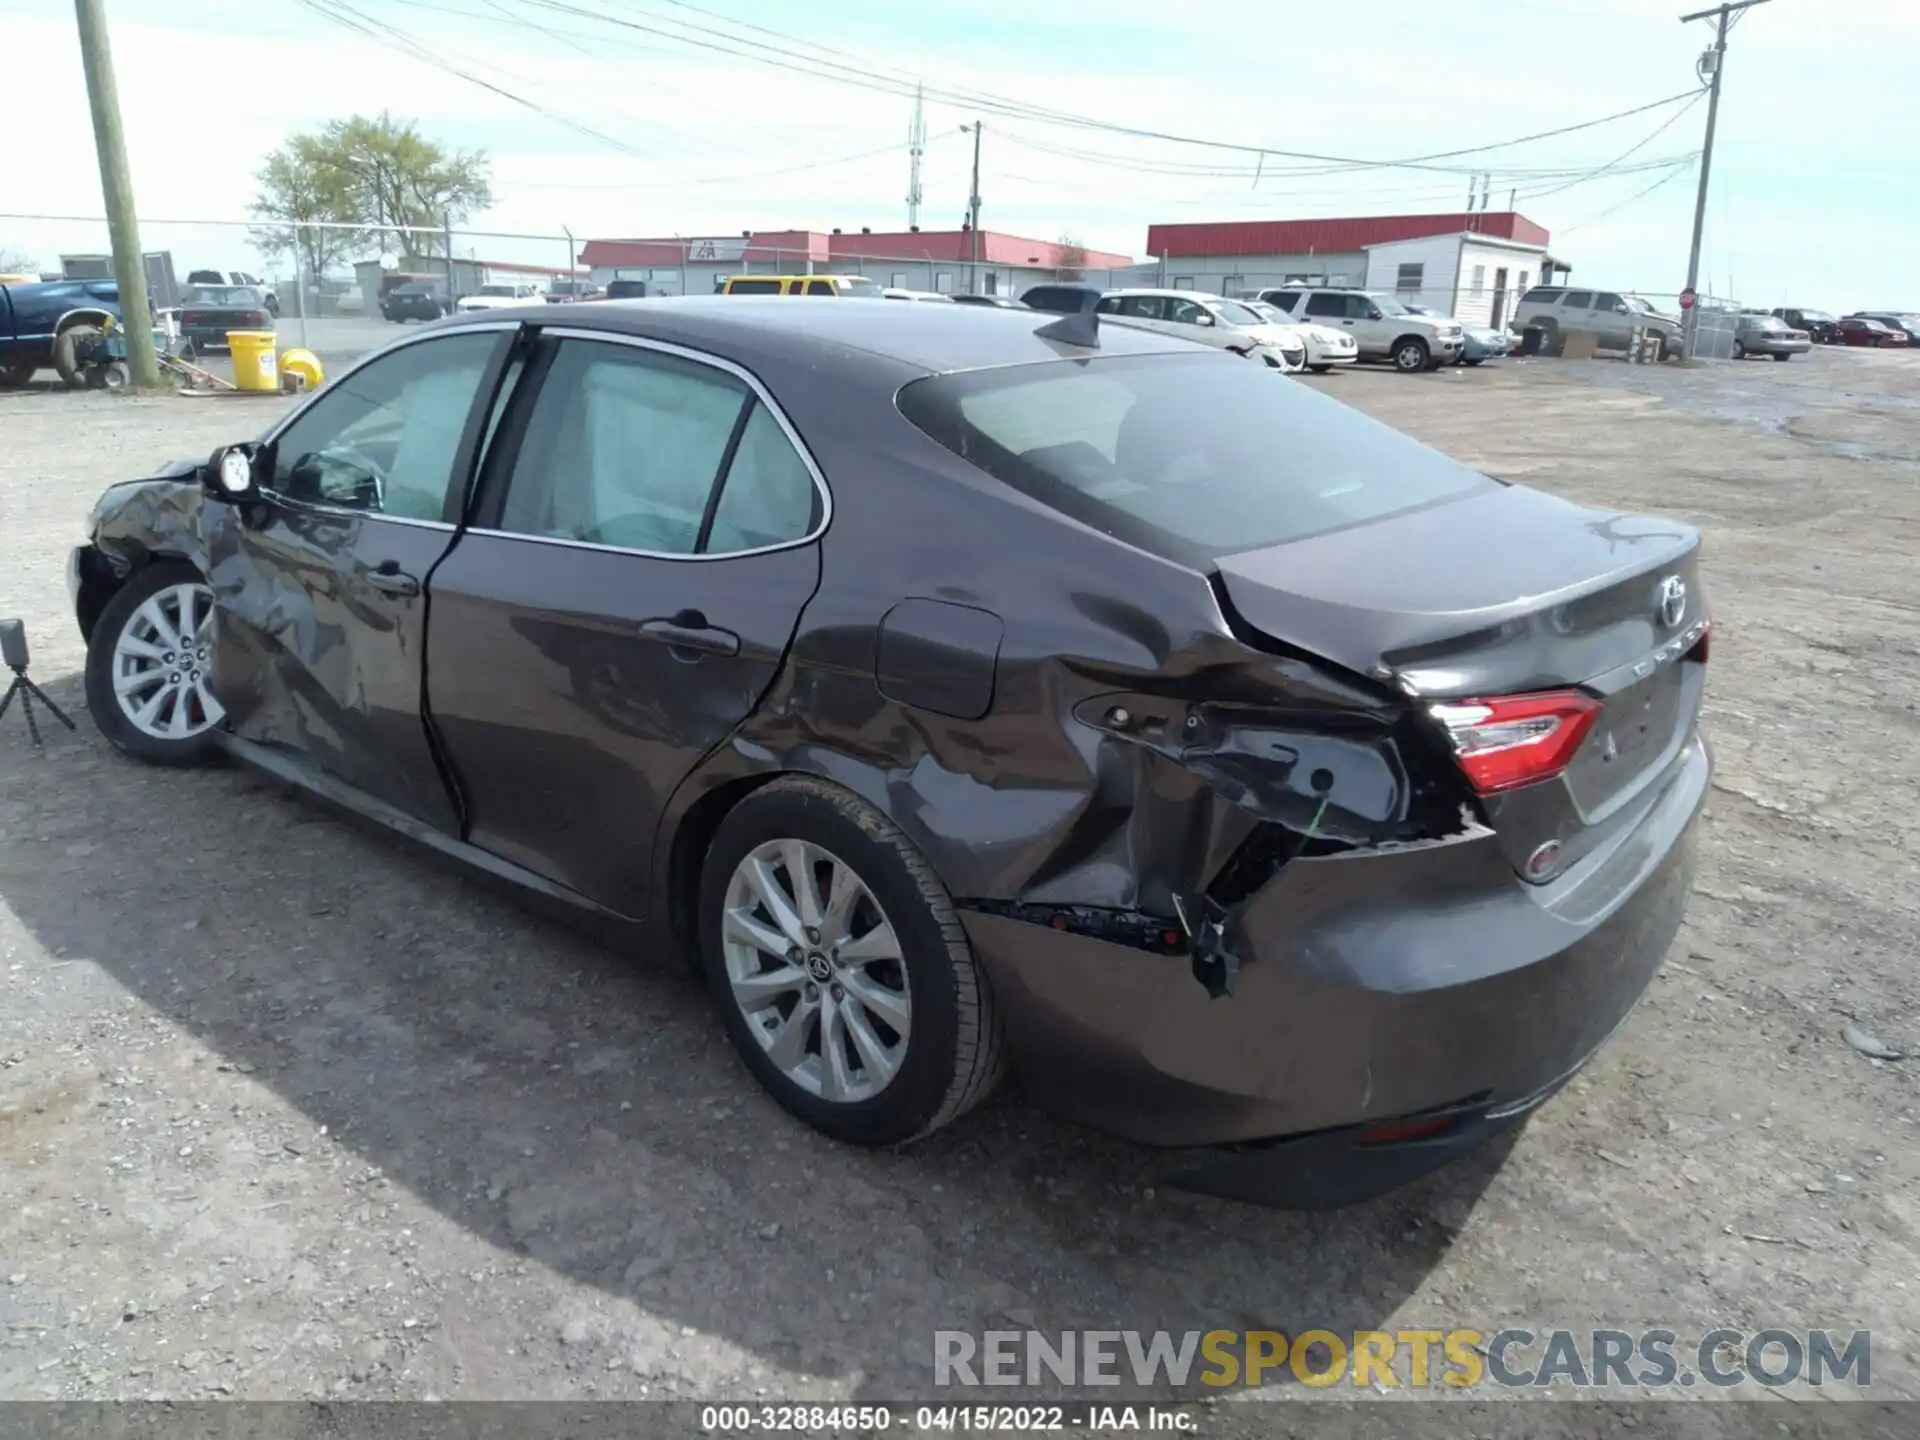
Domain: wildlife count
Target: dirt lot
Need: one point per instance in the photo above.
(287, 1111)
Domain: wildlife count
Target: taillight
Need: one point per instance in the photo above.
(1513, 740)
(257, 319)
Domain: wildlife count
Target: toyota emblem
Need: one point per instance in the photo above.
(1671, 601)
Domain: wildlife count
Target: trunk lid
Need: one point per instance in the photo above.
(1501, 592)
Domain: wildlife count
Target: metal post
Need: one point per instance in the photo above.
(453, 282)
(299, 288)
(1691, 327)
(571, 277)
(116, 186)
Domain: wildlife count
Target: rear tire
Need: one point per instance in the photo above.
(68, 346)
(1783, 358)
(1481, 361)
(945, 1054)
(126, 645)
(1411, 355)
(14, 377)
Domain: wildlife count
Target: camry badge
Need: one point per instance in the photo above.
(1670, 600)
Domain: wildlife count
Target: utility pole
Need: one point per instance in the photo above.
(916, 145)
(973, 212)
(1714, 59)
(116, 186)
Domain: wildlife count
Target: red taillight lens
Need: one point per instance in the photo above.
(1700, 648)
(1514, 740)
(257, 319)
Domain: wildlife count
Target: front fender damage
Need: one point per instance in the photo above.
(160, 515)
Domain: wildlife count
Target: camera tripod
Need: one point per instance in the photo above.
(28, 693)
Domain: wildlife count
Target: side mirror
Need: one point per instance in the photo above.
(231, 472)
(1374, 312)
(1203, 318)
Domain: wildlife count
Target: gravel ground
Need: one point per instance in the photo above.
(288, 1111)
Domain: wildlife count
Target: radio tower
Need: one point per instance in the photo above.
(916, 143)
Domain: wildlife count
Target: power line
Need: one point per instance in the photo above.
(773, 174)
(1612, 210)
(791, 55)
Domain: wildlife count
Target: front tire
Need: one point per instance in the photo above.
(1783, 358)
(845, 979)
(1411, 356)
(68, 346)
(1320, 369)
(15, 377)
(148, 682)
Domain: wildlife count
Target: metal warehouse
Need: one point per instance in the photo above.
(947, 261)
(1472, 265)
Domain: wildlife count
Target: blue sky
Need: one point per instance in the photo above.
(1813, 195)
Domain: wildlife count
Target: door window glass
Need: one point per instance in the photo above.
(383, 439)
(1332, 306)
(1185, 312)
(819, 287)
(1577, 300)
(769, 496)
(623, 448)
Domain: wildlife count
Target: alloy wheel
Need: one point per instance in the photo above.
(814, 964)
(161, 664)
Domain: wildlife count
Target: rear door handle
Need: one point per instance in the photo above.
(688, 630)
(388, 576)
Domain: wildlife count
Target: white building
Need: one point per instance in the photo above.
(1471, 276)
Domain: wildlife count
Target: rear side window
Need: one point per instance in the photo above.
(1334, 306)
(1541, 295)
(1176, 454)
(753, 287)
(820, 287)
(1285, 299)
(769, 496)
(1577, 300)
(623, 448)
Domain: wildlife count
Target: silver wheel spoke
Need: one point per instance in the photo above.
(756, 992)
(136, 680)
(210, 708)
(889, 1005)
(875, 1058)
(740, 925)
(842, 896)
(878, 943)
(156, 618)
(186, 627)
(766, 889)
(789, 1047)
(144, 716)
(836, 1082)
(797, 859)
(140, 649)
(180, 723)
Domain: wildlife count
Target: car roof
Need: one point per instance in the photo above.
(934, 339)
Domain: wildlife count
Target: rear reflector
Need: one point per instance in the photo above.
(1514, 740)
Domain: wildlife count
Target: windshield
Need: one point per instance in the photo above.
(1819, 315)
(1272, 314)
(1176, 453)
(860, 285)
(1234, 313)
(1637, 303)
(221, 295)
(1388, 305)
(416, 290)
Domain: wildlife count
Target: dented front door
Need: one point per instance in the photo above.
(320, 587)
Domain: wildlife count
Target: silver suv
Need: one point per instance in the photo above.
(1381, 326)
(1546, 312)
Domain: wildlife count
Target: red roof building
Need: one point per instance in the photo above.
(1233, 238)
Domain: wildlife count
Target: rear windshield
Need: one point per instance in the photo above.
(756, 287)
(859, 285)
(221, 295)
(1186, 456)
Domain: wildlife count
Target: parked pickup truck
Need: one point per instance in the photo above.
(55, 323)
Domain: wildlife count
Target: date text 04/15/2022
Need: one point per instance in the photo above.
(940, 1419)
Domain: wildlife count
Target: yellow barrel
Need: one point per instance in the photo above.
(253, 360)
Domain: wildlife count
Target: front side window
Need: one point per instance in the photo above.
(1609, 303)
(1234, 313)
(383, 438)
(1577, 300)
(754, 287)
(1187, 312)
(623, 448)
(1333, 307)
(820, 287)
(1176, 454)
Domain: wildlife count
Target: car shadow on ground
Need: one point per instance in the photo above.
(579, 1106)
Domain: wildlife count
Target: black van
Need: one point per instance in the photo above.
(1063, 297)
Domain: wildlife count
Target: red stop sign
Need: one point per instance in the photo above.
(1686, 299)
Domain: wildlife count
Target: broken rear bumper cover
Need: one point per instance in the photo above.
(1424, 985)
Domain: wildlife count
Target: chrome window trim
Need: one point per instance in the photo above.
(760, 392)
(285, 422)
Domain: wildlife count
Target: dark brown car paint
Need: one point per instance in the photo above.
(1469, 986)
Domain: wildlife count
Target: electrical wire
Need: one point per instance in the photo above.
(772, 174)
(1612, 210)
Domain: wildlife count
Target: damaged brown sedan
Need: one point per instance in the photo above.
(965, 688)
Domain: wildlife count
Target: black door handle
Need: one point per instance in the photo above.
(388, 576)
(689, 630)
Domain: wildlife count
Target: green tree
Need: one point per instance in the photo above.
(381, 173)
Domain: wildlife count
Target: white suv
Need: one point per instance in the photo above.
(1381, 326)
(1210, 319)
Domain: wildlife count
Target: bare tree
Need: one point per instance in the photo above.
(1071, 261)
(17, 262)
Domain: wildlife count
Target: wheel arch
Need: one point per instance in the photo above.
(85, 314)
(102, 579)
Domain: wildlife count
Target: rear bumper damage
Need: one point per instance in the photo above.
(1422, 983)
